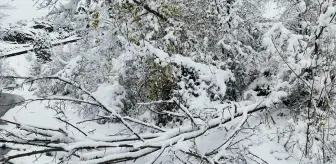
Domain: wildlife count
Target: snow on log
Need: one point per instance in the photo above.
(30, 48)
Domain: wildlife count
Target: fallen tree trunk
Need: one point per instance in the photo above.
(31, 48)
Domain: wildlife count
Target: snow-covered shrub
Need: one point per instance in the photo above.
(43, 48)
(303, 43)
(146, 81)
(18, 36)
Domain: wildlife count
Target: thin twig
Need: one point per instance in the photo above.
(72, 126)
(6, 159)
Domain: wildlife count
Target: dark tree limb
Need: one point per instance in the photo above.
(6, 159)
(24, 143)
(52, 99)
(150, 10)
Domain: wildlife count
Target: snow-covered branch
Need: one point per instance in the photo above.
(76, 85)
(134, 146)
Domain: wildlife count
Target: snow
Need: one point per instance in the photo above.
(111, 95)
(325, 18)
(36, 114)
(272, 11)
(222, 148)
(105, 93)
(212, 74)
(70, 68)
(210, 131)
(277, 34)
(19, 64)
(302, 6)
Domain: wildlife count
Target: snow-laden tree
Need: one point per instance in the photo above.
(42, 48)
(304, 42)
(213, 39)
(172, 72)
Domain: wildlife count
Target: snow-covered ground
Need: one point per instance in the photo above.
(37, 114)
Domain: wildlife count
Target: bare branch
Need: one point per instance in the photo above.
(72, 126)
(6, 159)
(135, 148)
